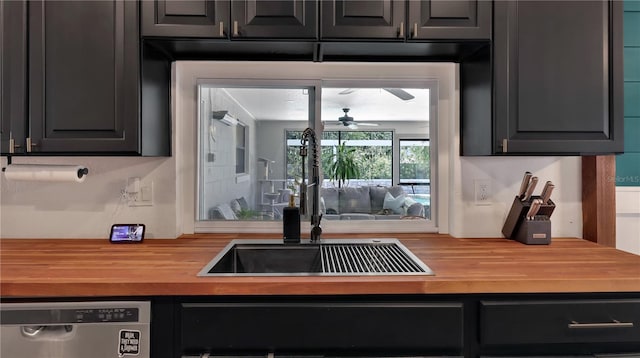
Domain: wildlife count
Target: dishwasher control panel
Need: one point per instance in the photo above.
(70, 315)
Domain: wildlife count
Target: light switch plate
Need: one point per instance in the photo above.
(144, 196)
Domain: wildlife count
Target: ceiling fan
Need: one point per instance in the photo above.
(398, 92)
(348, 121)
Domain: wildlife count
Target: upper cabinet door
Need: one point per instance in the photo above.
(13, 76)
(294, 19)
(185, 18)
(446, 19)
(84, 76)
(558, 77)
(375, 19)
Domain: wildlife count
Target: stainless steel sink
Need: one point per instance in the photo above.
(331, 257)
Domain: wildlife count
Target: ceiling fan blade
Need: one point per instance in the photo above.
(347, 91)
(367, 124)
(400, 93)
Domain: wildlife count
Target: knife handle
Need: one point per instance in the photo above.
(530, 189)
(546, 187)
(525, 184)
(533, 204)
(547, 194)
(533, 210)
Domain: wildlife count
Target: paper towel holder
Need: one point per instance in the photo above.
(81, 172)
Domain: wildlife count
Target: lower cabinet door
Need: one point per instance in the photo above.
(560, 322)
(331, 328)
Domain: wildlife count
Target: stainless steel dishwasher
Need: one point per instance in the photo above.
(75, 329)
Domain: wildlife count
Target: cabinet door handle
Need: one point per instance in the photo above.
(414, 33)
(614, 324)
(13, 145)
(221, 28)
(30, 145)
(235, 28)
(401, 29)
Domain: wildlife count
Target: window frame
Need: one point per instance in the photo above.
(187, 75)
(244, 149)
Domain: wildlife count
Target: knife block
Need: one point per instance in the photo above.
(517, 215)
(535, 232)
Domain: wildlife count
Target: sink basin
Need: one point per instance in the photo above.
(331, 257)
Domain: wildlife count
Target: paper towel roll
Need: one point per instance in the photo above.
(57, 173)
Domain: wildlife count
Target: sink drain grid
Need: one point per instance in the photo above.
(367, 258)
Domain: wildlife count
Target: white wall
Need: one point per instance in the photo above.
(88, 209)
(628, 219)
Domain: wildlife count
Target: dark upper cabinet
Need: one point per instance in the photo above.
(446, 19)
(406, 20)
(557, 81)
(558, 76)
(13, 76)
(374, 19)
(239, 19)
(71, 81)
(274, 19)
(191, 18)
(83, 77)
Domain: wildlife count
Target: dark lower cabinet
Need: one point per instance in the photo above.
(555, 327)
(557, 77)
(324, 327)
(469, 325)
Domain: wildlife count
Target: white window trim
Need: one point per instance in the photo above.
(187, 74)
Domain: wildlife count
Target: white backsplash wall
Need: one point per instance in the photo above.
(505, 175)
(31, 209)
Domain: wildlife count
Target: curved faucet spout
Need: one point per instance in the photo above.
(309, 137)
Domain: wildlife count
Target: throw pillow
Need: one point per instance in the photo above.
(243, 203)
(355, 200)
(409, 201)
(393, 204)
(235, 206)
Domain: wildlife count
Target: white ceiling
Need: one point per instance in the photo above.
(366, 104)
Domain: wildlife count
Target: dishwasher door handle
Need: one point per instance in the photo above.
(46, 331)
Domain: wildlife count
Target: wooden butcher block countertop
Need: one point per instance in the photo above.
(158, 267)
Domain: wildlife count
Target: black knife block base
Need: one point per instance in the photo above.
(517, 215)
(535, 232)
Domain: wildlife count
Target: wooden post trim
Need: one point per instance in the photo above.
(599, 199)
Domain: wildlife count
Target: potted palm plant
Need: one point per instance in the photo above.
(343, 166)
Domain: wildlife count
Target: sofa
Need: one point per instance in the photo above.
(368, 203)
